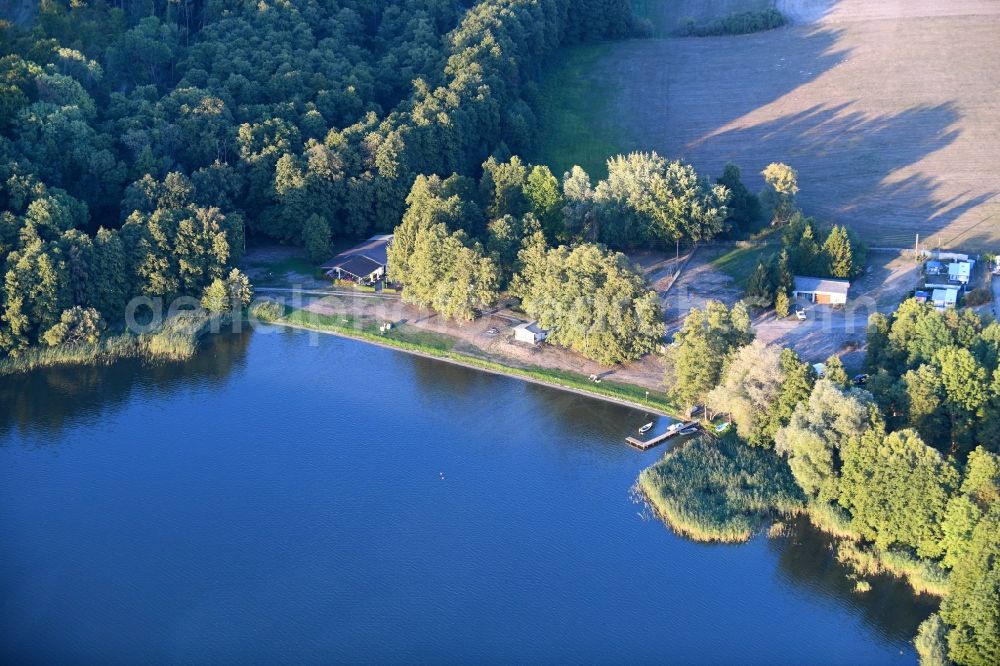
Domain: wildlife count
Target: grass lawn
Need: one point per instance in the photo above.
(740, 263)
(576, 127)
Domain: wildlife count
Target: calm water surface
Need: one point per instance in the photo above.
(277, 501)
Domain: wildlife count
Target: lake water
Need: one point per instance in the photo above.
(275, 501)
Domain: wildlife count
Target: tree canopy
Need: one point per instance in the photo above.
(593, 301)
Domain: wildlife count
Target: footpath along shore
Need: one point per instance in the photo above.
(411, 342)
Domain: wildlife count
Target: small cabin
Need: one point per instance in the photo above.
(821, 290)
(364, 264)
(529, 332)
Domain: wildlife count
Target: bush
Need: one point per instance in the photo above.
(736, 24)
(781, 304)
(978, 296)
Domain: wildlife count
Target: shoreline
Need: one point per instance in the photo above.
(483, 365)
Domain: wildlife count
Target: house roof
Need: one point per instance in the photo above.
(357, 266)
(959, 269)
(825, 285)
(374, 249)
(531, 326)
(945, 295)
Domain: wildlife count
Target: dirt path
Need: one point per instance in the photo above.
(490, 336)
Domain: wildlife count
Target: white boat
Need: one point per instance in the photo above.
(674, 427)
(646, 428)
(689, 431)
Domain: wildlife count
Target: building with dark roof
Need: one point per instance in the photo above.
(365, 263)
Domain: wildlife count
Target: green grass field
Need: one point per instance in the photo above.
(740, 263)
(576, 129)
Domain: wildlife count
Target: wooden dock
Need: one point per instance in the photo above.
(644, 445)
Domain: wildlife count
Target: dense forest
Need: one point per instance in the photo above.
(142, 142)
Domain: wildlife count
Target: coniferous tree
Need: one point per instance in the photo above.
(760, 291)
(839, 253)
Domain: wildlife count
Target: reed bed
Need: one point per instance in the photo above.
(719, 490)
(924, 576)
(175, 340)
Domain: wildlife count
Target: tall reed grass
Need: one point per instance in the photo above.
(175, 340)
(719, 490)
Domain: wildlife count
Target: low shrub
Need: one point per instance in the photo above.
(979, 296)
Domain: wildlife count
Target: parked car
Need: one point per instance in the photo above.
(800, 314)
(860, 380)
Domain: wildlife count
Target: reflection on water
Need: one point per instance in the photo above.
(314, 503)
(40, 404)
(807, 560)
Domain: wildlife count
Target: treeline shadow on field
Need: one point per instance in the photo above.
(751, 100)
(846, 161)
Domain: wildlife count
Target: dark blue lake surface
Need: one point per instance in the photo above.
(277, 501)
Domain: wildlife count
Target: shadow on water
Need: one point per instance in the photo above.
(806, 559)
(44, 402)
(562, 410)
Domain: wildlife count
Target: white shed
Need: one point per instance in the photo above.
(821, 290)
(529, 332)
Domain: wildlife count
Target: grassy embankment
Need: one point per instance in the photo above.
(175, 340)
(725, 491)
(443, 347)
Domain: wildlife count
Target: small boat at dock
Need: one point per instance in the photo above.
(646, 428)
(689, 431)
(674, 427)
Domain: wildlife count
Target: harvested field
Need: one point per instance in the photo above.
(888, 110)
